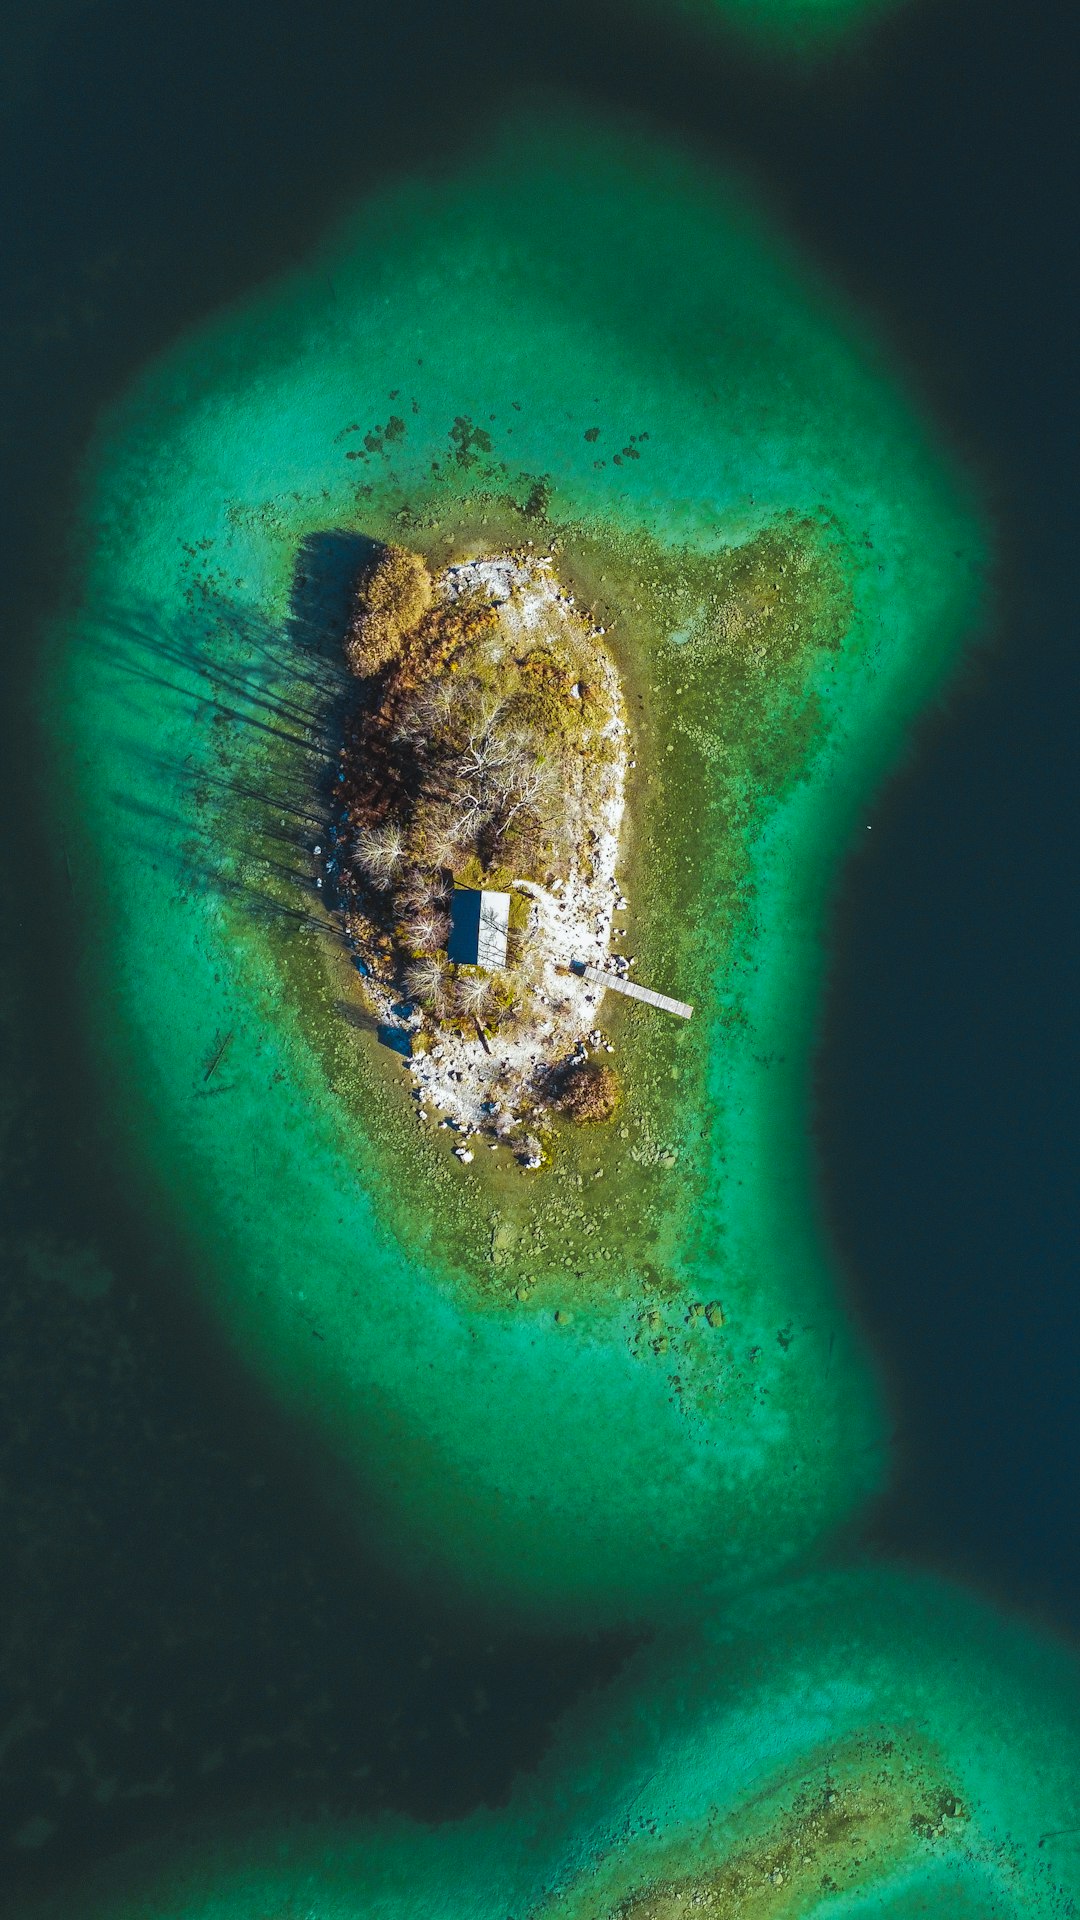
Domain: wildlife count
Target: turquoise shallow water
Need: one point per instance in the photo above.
(862, 1743)
(448, 347)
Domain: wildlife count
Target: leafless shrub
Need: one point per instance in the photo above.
(474, 996)
(426, 982)
(427, 932)
(380, 852)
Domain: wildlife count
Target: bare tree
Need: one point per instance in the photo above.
(427, 932)
(416, 893)
(526, 789)
(433, 705)
(497, 780)
(409, 726)
(380, 852)
(425, 981)
(441, 840)
(474, 995)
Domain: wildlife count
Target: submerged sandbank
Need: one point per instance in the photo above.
(862, 1743)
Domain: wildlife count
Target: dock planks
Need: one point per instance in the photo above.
(601, 978)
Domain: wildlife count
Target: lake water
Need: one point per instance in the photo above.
(183, 1633)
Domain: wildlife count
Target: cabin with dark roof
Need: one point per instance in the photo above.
(479, 928)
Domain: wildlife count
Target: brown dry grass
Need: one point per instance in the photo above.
(391, 601)
(588, 1093)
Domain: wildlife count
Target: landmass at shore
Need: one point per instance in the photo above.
(487, 757)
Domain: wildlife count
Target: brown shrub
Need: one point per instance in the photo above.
(587, 1092)
(391, 601)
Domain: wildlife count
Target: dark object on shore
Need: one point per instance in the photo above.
(584, 1090)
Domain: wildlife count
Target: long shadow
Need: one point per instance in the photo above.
(137, 644)
(395, 1039)
(291, 673)
(225, 662)
(327, 567)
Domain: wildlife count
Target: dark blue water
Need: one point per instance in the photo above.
(178, 1631)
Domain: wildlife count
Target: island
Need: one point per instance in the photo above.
(495, 672)
(475, 849)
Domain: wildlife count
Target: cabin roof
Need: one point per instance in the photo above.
(479, 928)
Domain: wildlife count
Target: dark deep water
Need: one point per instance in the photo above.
(179, 1632)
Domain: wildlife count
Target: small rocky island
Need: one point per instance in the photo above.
(473, 858)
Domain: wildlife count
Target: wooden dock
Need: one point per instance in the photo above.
(600, 977)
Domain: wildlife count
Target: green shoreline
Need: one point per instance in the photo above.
(864, 1743)
(540, 1469)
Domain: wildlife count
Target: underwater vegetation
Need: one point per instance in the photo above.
(600, 1391)
(859, 1743)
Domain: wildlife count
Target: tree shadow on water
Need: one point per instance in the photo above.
(264, 706)
(327, 567)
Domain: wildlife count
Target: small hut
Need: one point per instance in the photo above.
(479, 928)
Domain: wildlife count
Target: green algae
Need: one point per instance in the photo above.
(596, 1397)
(861, 1743)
